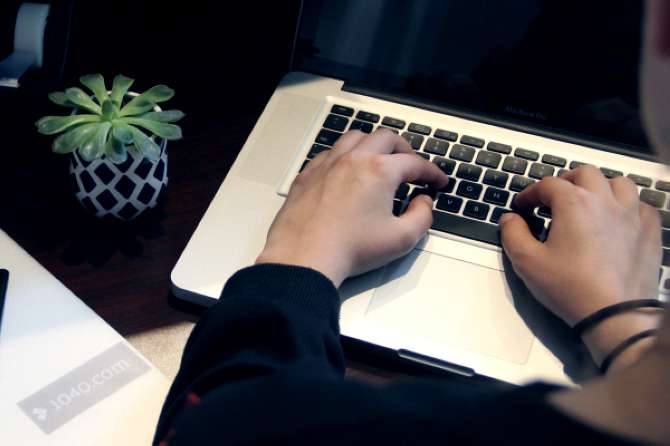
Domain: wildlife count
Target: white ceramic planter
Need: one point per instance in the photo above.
(123, 191)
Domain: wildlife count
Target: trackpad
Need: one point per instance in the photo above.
(446, 300)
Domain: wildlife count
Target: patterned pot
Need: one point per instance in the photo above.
(122, 190)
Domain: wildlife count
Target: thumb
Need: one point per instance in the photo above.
(417, 218)
(517, 240)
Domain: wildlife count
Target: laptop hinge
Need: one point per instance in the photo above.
(438, 107)
(434, 362)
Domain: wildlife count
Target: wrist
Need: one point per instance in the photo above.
(609, 333)
(329, 267)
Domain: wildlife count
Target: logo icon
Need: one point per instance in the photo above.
(40, 413)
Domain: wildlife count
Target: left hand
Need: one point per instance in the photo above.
(337, 218)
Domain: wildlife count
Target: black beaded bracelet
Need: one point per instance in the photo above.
(623, 346)
(600, 315)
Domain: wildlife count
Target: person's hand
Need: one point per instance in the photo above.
(337, 218)
(603, 248)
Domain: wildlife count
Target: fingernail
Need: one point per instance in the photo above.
(506, 217)
(427, 199)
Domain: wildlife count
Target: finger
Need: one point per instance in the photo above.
(317, 160)
(517, 240)
(551, 192)
(625, 191)
(590, 178)
(651, 237)
(346, 143)
(407, 167)
(384, 141)
(416, 220)
(651, 221)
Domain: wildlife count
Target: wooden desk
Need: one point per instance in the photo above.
(123, 273)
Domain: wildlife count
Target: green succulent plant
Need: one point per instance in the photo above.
(111, 123)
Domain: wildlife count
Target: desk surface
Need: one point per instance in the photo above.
(123, 273)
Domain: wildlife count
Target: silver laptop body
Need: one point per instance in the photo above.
(454, 301)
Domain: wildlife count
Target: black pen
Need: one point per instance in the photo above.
(4, 280)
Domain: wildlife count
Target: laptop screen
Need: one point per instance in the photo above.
(565, 65)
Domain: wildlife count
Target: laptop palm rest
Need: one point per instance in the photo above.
(449, 301)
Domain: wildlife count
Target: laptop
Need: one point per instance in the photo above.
(498, 95)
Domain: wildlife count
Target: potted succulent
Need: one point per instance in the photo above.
(117, 141)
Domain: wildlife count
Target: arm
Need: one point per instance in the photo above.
(270, 319)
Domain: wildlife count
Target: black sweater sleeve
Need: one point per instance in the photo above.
(265, 365)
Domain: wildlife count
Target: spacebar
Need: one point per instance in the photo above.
(465, 227)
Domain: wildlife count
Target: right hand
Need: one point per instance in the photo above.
(603, 248)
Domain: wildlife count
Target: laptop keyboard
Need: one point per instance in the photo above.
(485, 176)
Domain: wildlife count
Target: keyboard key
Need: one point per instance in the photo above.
(469, 190)
(469, 172)
(342, 110)
(488, 159)
(663, 185)
(500, 148)
(367, 116)
(666, 238)
(446, 134)
(666, 257)
(449, 203)
(519, 183)
(544, 211)
(476, 210)
(665, 219)
(364, 127)
(536, 226)
(611, 173)
(423, 155)
(526, 154)
(514, 165)
(449, 188)
(432, 193)
(561, 172)
(335, 122)
(540, 171)
(419, 128)
(576, 164)
(327, 137)
(666, 284)
(304, 164)
(497, 213)
(436, 147)
(554, 160)
(535, 223)
(393, 122)
(496, 196)
(402, 191)
(397, 207)
(652, 197)
(472, 229)
(472, 141)
(462, 153)
(447, 166)
(495, 178)
(413, 139)
(315, 150)
(640, 180)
